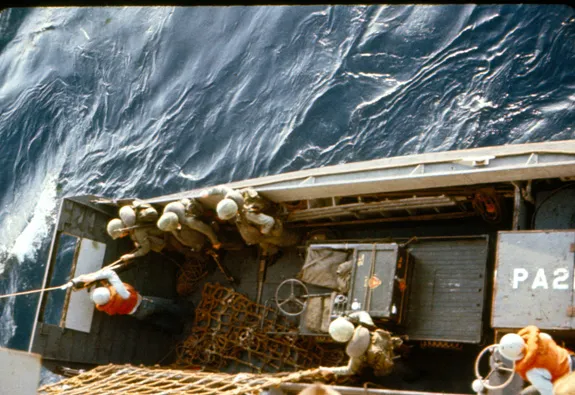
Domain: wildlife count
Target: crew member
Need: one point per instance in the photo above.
(119, 298)
(145, 235)
(245, 209)
(538, 359)
(367, 345)
(186, 213)
(169, 222)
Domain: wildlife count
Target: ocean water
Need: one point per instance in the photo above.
(145, 101)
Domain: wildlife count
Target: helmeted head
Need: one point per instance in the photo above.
(341, 330)
(511, 346)
(169, 222)
(101, 295)
(144, 212)
(128, 215)
(227, 209)
(115, 228)
(192, 206)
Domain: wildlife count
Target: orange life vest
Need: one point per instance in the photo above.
(542, 352)
(117, 305)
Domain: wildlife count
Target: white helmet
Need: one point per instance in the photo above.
(101, 295)
(511, 346)
(115, 227)
(341, 330)
(168, 222)
(128, 215)
(227, 209)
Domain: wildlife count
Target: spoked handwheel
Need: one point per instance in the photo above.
(295, 303)
(481, 383)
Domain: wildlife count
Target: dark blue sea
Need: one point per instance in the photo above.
(129, 101)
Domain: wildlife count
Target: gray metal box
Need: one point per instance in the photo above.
(378, 271)
(534, 280)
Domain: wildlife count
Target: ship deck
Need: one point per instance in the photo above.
(427, 203)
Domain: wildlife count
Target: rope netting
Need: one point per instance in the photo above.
(191, 272)
(231, 331)
(127, 379)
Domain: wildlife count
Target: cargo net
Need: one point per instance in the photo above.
(127, 379)
(191, 272)
(230, 332)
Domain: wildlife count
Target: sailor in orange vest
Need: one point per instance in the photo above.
(537, 357)
(121, 298)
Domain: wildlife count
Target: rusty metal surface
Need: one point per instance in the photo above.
(534, 280)
(230, 332)
(446, 294)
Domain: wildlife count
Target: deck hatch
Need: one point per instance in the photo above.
(447, 290)
(81, 309)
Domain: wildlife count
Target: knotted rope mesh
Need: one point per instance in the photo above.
(127, 379)
(230, 332)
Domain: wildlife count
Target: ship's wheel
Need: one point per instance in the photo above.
(481, 383)
(291, 297)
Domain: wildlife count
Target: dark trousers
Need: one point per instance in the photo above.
(152, 305)
(163, 313)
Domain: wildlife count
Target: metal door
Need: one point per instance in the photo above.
(534, 280)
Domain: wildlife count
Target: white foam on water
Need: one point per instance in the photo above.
(7, 324)
(21, 238)
(29, 220)
(36, 231)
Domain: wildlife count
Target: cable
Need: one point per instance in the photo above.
(31, 292)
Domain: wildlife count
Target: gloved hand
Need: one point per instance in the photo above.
(69, 284)
(326, 373)
(75, 283)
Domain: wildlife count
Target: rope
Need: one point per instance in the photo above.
(112, 266)
(31, 292)
(128, 380)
